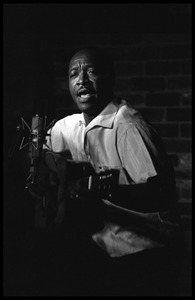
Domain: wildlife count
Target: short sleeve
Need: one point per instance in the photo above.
(135, 156)
(55, 140)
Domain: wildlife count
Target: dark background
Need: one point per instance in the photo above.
(151, 47)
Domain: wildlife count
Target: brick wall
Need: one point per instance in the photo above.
(154, 74)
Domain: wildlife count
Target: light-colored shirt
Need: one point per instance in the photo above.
(118, 138)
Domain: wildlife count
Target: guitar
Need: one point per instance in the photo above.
(78, 182)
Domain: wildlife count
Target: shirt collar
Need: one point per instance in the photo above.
(104, 119)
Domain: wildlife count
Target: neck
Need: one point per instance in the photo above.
(88, 118)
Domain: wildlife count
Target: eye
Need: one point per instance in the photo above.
(92, 72)
(73, 73)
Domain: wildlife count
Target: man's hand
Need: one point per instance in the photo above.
(91, 190)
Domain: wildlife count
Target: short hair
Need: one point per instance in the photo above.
(104, 58)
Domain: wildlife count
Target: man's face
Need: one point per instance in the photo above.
(88, 83)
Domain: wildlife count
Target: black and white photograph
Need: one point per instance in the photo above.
(97, 149)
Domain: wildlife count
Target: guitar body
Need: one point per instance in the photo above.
(73, 195)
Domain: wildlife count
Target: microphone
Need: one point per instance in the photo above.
(36, 141)
(35, 137)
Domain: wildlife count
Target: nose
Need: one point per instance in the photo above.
(82, 78)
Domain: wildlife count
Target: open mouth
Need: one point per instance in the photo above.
(85, 94)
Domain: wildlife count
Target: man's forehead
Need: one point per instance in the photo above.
(84, 57)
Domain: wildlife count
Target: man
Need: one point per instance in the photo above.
(131, 223)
